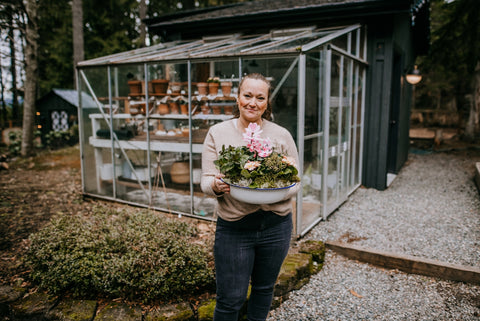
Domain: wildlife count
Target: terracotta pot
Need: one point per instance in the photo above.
(160, 86)
(180, 172)
(202, 88)
(205, 109)
(176, 87)
(228, 109)
(184, 109)
(163, 109)
(217, 110)
(174, 108)
(150, 87)
(226, 88)
(213, 88)
(135, 86)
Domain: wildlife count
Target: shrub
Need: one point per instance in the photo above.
(15, 138)
(59, 139)
(136, 256)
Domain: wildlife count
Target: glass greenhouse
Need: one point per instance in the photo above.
(141, 139)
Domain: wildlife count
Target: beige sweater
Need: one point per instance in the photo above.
(226, 133)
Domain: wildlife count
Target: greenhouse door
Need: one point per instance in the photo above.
(332, 92)
(337, 112)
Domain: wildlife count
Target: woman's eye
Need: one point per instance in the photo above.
(261, 98)
(246, 96)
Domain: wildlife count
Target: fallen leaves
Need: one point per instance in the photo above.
(355, 293)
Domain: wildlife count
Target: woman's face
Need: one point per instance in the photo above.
(252, 100)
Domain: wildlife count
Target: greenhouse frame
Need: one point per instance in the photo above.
(141, 143)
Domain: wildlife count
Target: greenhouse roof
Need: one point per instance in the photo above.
(286, 41)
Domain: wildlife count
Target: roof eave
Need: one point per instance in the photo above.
(307, 15)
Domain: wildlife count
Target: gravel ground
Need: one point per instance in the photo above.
(431, 210)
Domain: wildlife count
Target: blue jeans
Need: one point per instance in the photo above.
(251, 249)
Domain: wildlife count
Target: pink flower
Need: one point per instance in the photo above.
(266, 149)
(251, 165)
(252, 137)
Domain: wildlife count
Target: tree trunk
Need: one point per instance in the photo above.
(142, 10)
(78, 43)
(31, 66)
(472, 129)
(13, 70)
(3, 123)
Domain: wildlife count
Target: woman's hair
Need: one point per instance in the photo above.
(267, 114)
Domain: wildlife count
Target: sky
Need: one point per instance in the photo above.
(5, 63)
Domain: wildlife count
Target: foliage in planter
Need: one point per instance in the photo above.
(256, 165)
(136, 256)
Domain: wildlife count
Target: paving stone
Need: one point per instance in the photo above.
(172, 312)
(32, 307)
(73, 310)
(115, 311)
(9, 294)
(315, 248)
(295, 269)
(205, 311)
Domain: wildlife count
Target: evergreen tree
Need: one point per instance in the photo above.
(450, 67)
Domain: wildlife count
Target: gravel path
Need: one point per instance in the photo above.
(431, 210)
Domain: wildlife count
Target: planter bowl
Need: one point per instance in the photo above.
(258, 195)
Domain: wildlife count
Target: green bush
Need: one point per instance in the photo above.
(59, 139)
(15, 138)
(138, 256)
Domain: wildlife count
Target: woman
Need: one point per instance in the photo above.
(251, 241)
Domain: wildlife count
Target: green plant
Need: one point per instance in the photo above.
(215, 80)
(112, 253)
(256, 165)
(15, 138)
(58, 139)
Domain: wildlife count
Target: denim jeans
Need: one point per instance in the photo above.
(251, 249)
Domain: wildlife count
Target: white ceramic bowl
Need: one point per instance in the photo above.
(258, 195)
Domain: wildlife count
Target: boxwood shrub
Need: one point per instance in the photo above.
(137, 256)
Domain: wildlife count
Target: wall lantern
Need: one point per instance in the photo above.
(414, 77)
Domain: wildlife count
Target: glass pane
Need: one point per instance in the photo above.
(313, 142)
(284, 85)
(341, 42)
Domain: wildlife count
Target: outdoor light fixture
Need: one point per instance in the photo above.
(414, 77)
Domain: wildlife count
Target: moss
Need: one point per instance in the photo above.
(315, 248)
(74, 310)
(172, 312)
(205, 311)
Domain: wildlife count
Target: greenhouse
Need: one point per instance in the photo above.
(142, 141)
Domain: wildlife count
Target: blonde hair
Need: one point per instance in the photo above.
(267, 114)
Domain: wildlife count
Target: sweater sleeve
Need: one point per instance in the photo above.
(292, 152)
(209, 155)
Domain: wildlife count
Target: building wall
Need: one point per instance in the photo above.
(403, 40)
(388, 99)
(49, 104)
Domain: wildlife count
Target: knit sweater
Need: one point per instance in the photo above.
(226, 133)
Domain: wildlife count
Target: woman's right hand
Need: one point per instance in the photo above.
(219, 186)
